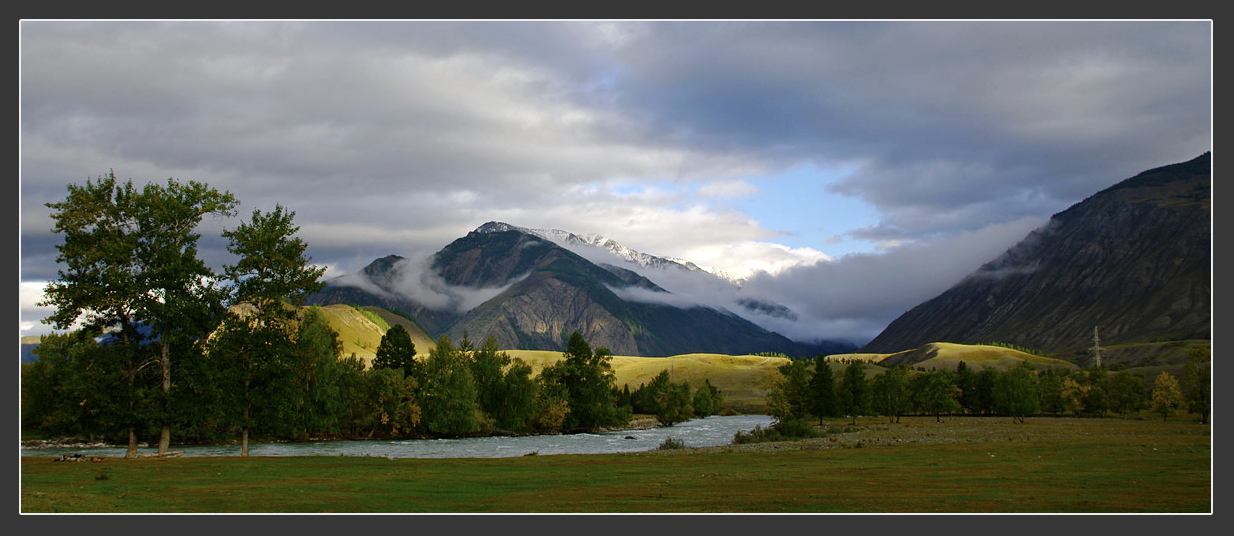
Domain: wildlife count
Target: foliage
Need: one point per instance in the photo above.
(708, 400)
(449, 398)
(396, 351)
(891, 393)
(822, 394)
(669, 401)
(373, 317)
(1197, 383)
(1016, 393)
(784, 430)
(506, 391)
(854, 391)
(1125, 391)
(1167, 396)
(131, 258)
(671, 444)
(935, 393)
(585, 380)
(790, 397)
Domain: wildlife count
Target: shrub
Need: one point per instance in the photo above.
(784, 430)
(671, 444)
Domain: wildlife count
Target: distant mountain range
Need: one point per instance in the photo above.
(530, 291)
(1133, 261)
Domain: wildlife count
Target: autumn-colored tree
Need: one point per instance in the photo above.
(1167, 397)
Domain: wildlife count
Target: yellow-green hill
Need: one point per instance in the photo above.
(949, 355)
(744, 380)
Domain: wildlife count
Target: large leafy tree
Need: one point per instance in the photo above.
(1167, 396)
(1016, 393)
(130, 258)
(257, 344)
(892, 394)
(936, 392)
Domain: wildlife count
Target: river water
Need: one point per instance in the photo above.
(711, 431)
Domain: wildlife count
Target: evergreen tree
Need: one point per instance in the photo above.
(823, 402)
(585, 380)
(450, 401)
(396, 351)
(789, 400)
(854, 392)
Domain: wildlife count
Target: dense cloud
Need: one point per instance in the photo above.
(398, 137)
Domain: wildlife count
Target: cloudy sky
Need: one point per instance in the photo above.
(849, 170)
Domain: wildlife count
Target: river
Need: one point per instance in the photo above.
(711, 431)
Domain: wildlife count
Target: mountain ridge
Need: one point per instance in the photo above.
(1132, 261)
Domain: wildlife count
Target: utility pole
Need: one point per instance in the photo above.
(1096, 347)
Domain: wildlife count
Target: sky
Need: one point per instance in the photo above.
(848, 170)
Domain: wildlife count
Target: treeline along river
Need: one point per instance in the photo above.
(711, 431)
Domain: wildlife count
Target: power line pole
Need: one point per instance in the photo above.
(1096, 347)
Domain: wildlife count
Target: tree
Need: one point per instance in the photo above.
(854, 392)
(789, 399)
(1167, 396)
(669, 401)
(506, 391)
(707, 400)
(822, 390)
(1197, 383)
(1125, 391)
(449, 399)
(585, 380)
(396, 351)
(256, 342)
(1073, 395)
(936, 393)
(1050, 388)
(891, 393)
(315, 360)
(1016, 393)
(131, 259)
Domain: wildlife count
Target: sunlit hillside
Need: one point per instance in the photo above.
(949, 355)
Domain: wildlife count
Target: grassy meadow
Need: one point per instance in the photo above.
(1049, 465)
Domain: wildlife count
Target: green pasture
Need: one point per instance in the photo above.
(1046, 465)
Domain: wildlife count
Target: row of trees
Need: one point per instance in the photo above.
(201, 354)
(809, 388)
(672, 402)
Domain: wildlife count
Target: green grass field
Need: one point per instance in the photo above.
(961, 465)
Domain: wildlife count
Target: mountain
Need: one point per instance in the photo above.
(531, 293)
(1133, 261)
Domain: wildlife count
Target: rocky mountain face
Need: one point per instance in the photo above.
(542, 292)
(1133, 261)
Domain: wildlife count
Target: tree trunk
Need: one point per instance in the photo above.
(165, 362)
(244, 434)
(131, 452)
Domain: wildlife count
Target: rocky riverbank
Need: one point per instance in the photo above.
(70, 443)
